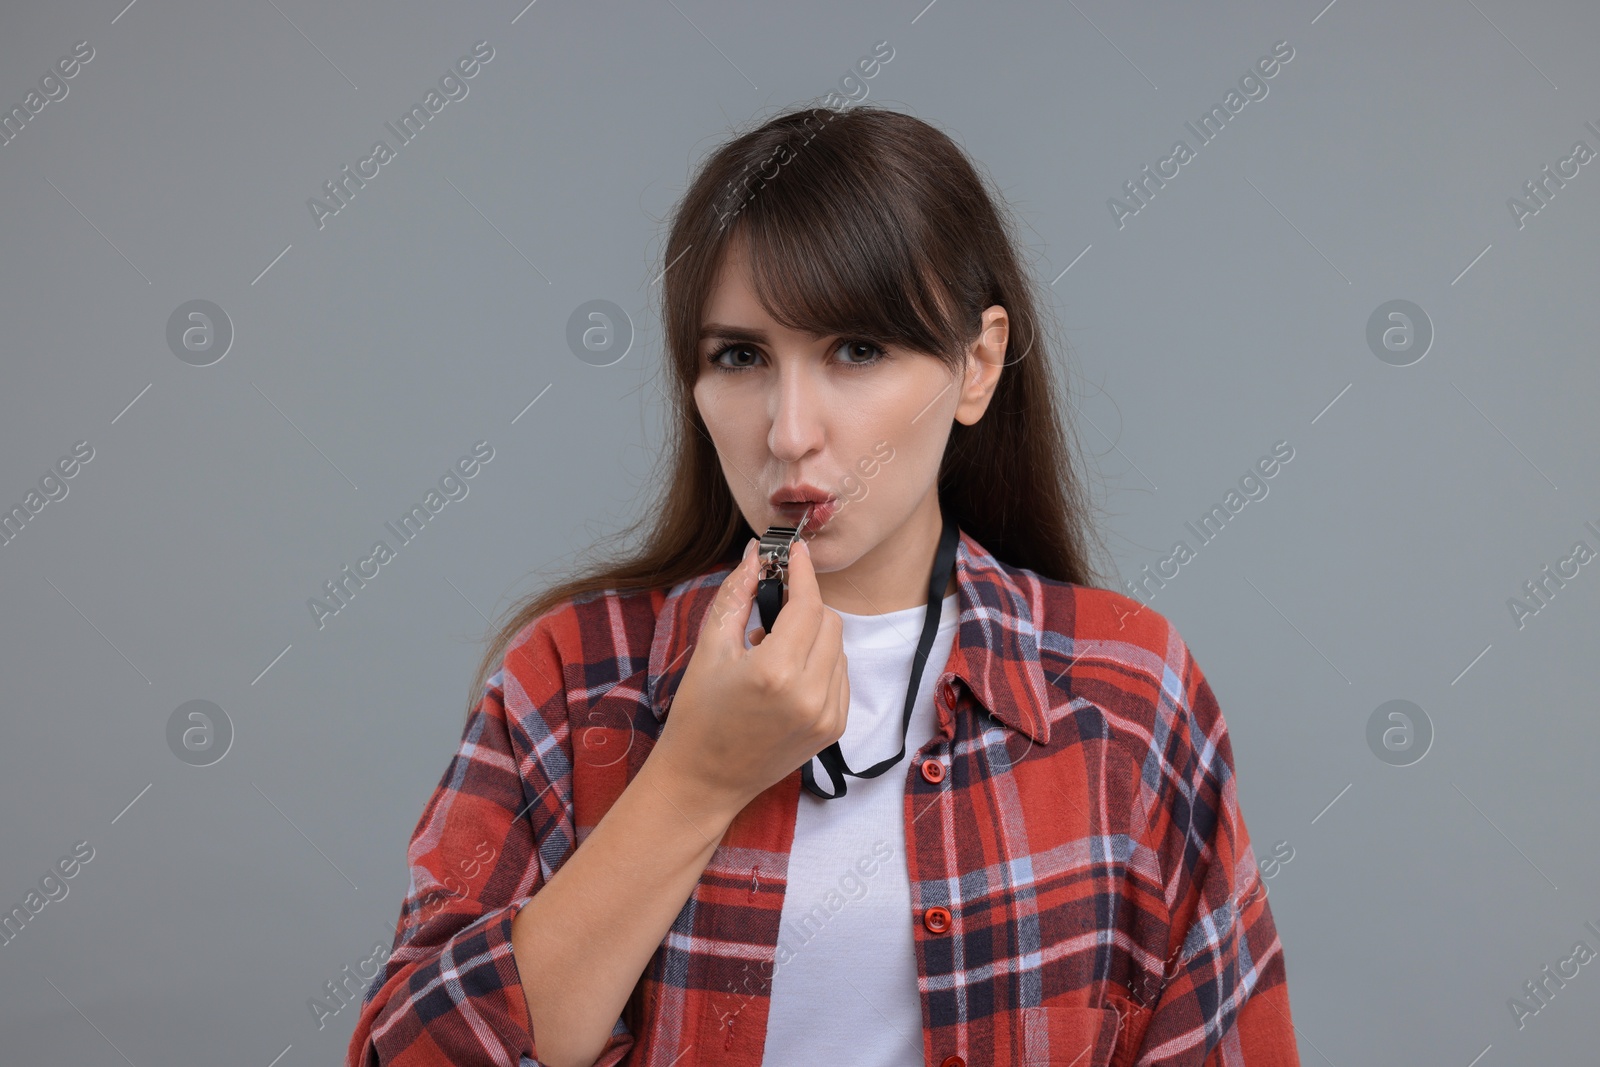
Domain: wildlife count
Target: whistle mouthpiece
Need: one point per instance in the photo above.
(775, 545)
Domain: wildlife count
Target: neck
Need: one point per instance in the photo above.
(892, 575)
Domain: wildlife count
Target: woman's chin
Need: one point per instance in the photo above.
(832, 549)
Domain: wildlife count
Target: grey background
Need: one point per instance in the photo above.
(1229, 314)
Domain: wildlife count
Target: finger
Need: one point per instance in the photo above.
(797, 623)
(730, 608)
(844, 684)
(831, 708)
(828, 644)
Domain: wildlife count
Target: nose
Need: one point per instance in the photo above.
(795, 406)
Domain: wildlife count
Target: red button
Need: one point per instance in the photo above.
(953, 1061)
(933, 771)
(936, 919)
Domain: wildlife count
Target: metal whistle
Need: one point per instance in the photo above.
(773, 549)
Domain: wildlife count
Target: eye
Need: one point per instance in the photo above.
(857, 354)
(874, 354)
(715, 358)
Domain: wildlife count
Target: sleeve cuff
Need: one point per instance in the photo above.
(463, 1002)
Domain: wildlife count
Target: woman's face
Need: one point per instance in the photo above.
(842, 419)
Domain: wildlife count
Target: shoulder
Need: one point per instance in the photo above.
(1123, 669)
(1115, 651)
(581, 646)
(1087, 622)
(1089, 613)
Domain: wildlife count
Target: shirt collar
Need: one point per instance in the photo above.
(995, 653)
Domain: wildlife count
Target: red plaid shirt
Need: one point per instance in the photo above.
(1104, 905)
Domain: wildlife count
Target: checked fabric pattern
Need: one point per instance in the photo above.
(1086, 840)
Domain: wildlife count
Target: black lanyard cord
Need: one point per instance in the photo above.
(769, 601)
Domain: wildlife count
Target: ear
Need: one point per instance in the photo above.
(985, 357)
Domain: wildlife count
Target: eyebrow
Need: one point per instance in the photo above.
(743, 333)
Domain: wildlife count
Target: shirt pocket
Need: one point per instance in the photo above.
(1074, 1035)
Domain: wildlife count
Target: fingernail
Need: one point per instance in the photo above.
(749, 547)
(803, 546)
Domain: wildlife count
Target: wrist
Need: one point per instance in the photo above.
(707, 809)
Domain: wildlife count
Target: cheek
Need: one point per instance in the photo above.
(913, 466)
(892, 461)
(704, 401)
(734, 425)
(715, 412)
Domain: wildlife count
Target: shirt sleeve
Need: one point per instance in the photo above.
(495, 829)
(1221, 993)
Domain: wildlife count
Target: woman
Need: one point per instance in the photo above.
(1054, 868)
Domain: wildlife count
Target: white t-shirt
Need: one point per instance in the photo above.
(845, 985)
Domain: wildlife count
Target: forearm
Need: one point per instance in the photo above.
(584, 939)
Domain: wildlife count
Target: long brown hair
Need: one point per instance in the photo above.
(873, 224)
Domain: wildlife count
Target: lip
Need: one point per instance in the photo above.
(820, 514)
(790, 501)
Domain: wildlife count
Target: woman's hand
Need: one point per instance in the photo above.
(744, 719)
